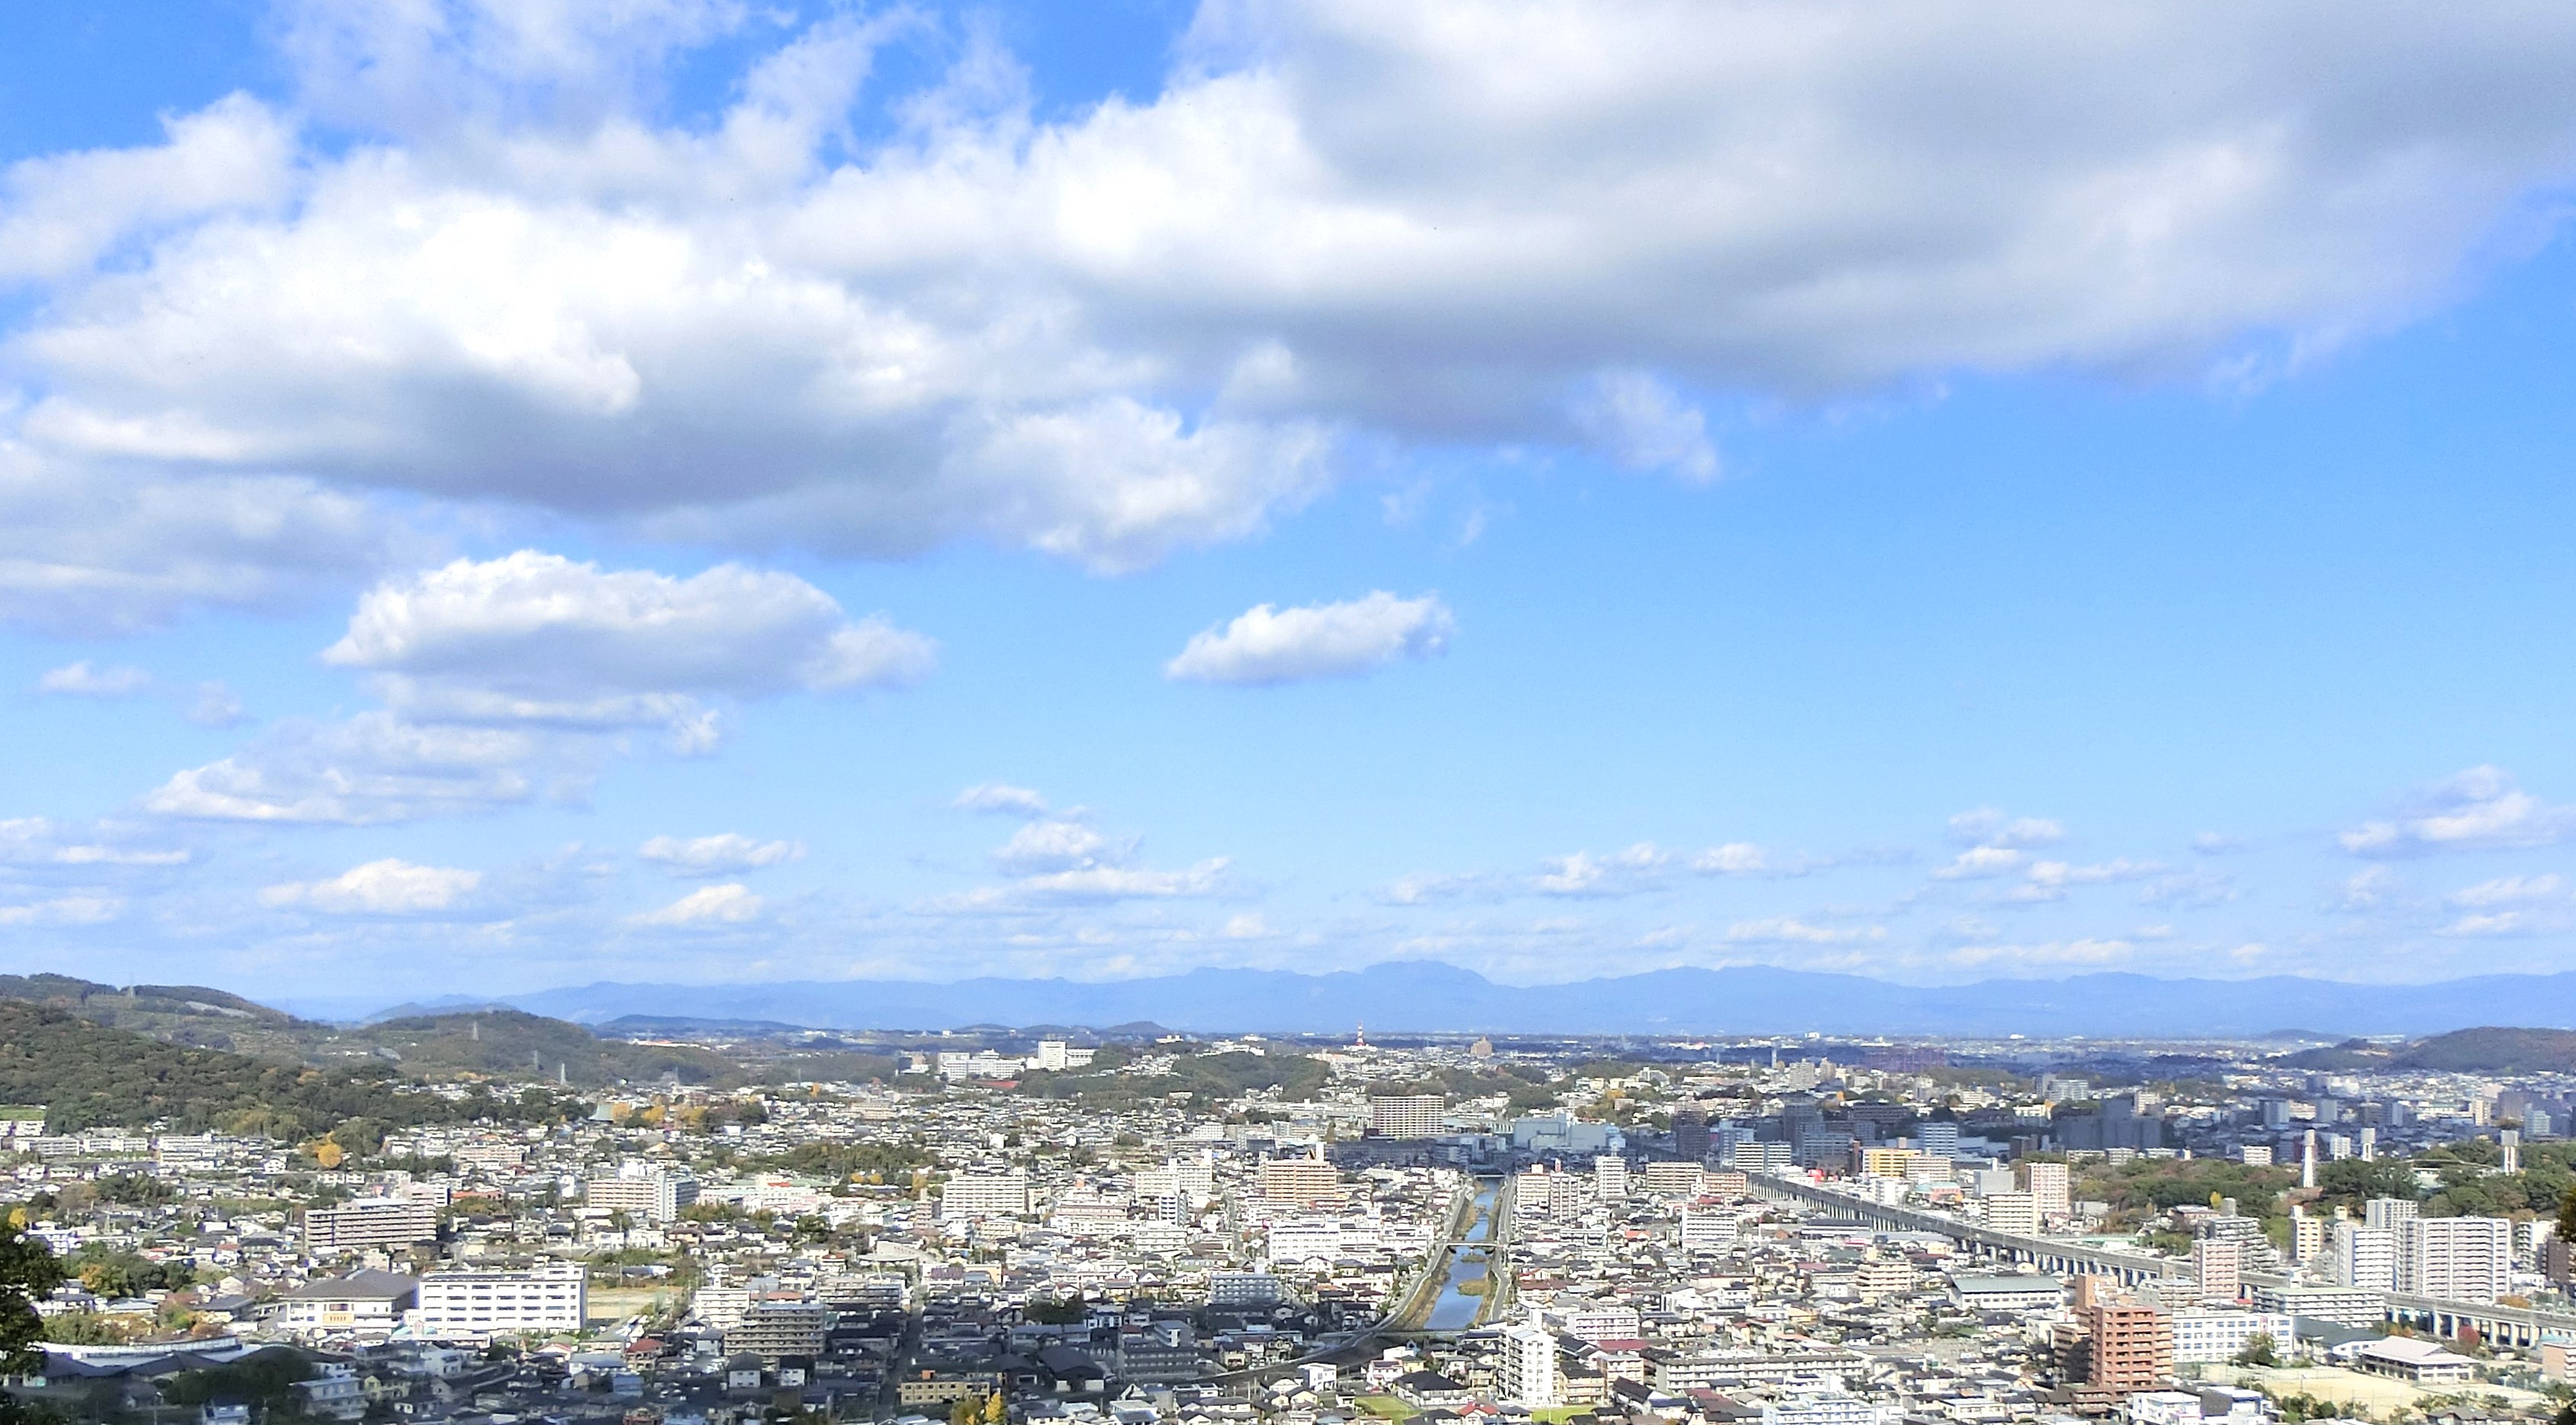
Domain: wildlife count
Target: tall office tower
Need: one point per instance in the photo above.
(2455, 1258)
(1414, 1115)
(2510, 1140)
(2308, 1159)
(1939, 1140)
(2364, 1258)
(2369, 1143)
(2048, 1186)
(1610, 1178)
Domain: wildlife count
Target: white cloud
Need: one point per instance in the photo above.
(1735, 858)
(1639, 421)
(1790, 930)
(1247, 926)
(2511, 890)
(1639, 868)
(214, 705)
(1150, 324)
(1979, 863)
(2368, 888)
(387, 887)
(63, 910)
(86, 551)
(720, 855)
(371, 768)
(1989, 826)
(2049, 880)
(2526, 921)
(539, 638)
(2051, 953)
(1422, 888)
(83, 680)
(40, 841)
(1059, 845)
(706, 907)
(2478, 809)
(1001, 797)
(1268, 645)
(60, 212)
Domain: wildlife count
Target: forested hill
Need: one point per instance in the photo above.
(86, 1075)
(2493, 1051)
(180, 1014)
(529, 1046)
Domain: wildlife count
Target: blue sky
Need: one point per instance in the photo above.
(739, 493)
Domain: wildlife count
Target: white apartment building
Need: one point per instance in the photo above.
(1413, 1115)
(2455, 1258)
(1708, 1229)
(1610, 1178)
(2049, 1186)
(1601, 1323)
(369, 1222)
(643, 1191)
(2385, 1213)
(479, 1305)
(985, 1193)
(2216, 1337)
(1530, 1374)
(1829, 1408)
(2363, 1258)
(2012, 1212)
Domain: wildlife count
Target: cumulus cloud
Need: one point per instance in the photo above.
(61, 212)
(89, 551)
(1990, 826)
(1151, 324)
(368, 769)
(1059, 845)
(707, 907)
(722, 855)
(1001, 798)
(1268, 645)
(512, 674)
(42, 841)
(2479, 809)
(1619, 873)
(85, 680)
(1980, 863)
(2049, 880)
(387, 887)
(538, 638)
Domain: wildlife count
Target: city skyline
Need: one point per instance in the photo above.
(496, 498)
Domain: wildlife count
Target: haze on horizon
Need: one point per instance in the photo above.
(503, 495)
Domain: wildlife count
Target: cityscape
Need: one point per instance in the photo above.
(1287, 712)
(1147, 1226)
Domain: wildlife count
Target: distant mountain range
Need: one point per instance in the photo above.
(1426, 996)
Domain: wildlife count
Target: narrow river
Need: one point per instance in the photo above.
(1456, 1310)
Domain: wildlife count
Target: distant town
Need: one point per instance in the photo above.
(686, 1223)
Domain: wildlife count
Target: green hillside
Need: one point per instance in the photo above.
(2493, 1051)
(87, 1075)
(521, 1045)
